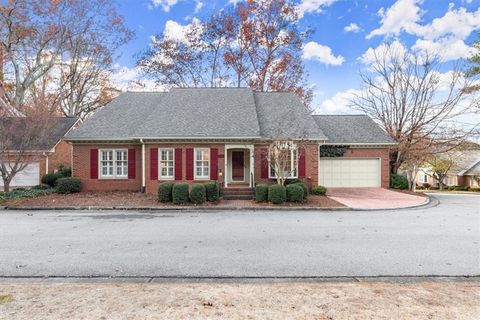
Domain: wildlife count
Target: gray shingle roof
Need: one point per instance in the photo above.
(465, 162)
(51, 131)
(283, 115)
(345, 129)
(200, 113)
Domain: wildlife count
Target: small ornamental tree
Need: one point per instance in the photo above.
(283, 157)
(440, 166)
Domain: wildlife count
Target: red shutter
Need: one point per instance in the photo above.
(301, 164)
(189, 163)
(213, 163)
(178, 164)
(264, 163)
(131, 163)
(154, 164)
(93, 163)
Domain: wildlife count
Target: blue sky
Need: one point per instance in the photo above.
(344, 30)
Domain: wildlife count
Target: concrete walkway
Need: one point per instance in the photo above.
(374, 198)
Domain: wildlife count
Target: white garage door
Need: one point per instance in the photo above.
(27, 177)
(349, 172)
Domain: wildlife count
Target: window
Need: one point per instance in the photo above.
(424, 178)
(202, 163)
(113, 163)
(166, 164)
(286, 159)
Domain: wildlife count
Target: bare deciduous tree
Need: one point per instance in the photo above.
(19, 139)
(68, 44)
(407, 95)
(256, 44)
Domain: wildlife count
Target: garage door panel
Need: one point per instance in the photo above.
(349, 172)
(27, 177)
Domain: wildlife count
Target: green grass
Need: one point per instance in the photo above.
(5, 298)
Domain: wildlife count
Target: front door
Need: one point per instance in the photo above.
(238, 171)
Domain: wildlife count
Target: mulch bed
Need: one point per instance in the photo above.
(122, 199)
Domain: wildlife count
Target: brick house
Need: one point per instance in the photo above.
(142, 139)
(45, 156)
(465, 171)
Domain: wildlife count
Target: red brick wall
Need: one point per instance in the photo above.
(382, 153)
(81, 169)
(61, 156)
(81, 165)
(152, 185)
(311, 164)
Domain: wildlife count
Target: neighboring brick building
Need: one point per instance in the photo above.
(46, 156)
(142, 139)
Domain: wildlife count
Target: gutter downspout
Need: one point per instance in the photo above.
(46, 162)
(143, 166)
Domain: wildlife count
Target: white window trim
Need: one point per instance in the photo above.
(114, 158)
(424, 178)
(160, 177)
(195, 164)
(292, 159)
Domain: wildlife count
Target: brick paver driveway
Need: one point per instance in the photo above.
(374, 198)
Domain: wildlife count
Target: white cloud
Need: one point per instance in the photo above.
(352, 27)
(394, 49)
(338, 104)
(198, 6)
(176, 31)
(321, 53)
(447, 49)
(444, 36)
(130, 79)
(312, 6)
(165, 4)
(401, 16)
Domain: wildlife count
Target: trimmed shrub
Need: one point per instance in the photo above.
(165, 192)
(294, 192)
(426, 185)
(65, 171)
(398, 182)
(180, 193)
(68, 185)
(304, 187)
(212, 191)
(51, 178)
(198, 194)
(41, 187)
(434, 188)
(277, 194)
(319, 190)
(475, 189)
(261, 192)
(292, 181)
(460, 188)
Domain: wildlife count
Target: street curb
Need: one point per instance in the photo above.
(176, 209)
(237, 279)
(427, 202)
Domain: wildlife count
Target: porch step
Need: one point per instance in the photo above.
(237, 196)
(237, 193)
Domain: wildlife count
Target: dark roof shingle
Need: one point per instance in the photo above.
(345, 129)
(49, 132)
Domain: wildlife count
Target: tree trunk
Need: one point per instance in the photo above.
(6, 185)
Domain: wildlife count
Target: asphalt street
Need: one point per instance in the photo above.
(442, 240)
